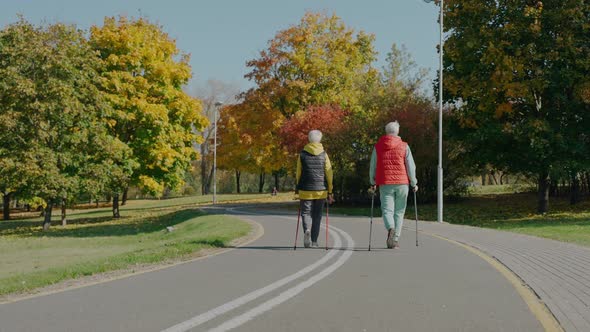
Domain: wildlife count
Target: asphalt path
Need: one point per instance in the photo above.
(267, 286)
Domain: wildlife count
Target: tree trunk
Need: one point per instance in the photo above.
(97, 203)
(502, 179)
(238, 174)
(6, 206)
(493, 176)
(209, 181)
(588, 182)
(575, 189)
(116, 213)
(47, 217)
(125, 193)
(261, 183)
(543, 192)
(516, 180)
(277, 180)
(64, 220)
(483, 179)
(554, 189)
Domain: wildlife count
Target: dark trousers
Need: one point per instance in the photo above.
(311, 214)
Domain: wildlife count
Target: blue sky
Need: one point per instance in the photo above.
(221, 35)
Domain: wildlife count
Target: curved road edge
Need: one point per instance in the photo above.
(255, 233)
(536, 306)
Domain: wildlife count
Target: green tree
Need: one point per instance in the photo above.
(52, 111)
(144, 75)
(518, 73)
(16, 165)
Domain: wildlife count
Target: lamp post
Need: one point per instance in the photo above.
(217, 105)
(440, 117)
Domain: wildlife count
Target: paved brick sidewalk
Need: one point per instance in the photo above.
(558, 272)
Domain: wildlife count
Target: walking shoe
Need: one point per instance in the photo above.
(307, 238)
(390, 234)
(315, 245)
(395, 244)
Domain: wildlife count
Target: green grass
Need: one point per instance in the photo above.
(93, 242)
(500, 189)
(155, 205)
(510, 212)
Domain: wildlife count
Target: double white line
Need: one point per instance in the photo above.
(282, 297)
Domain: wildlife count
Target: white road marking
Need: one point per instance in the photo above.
(211, 314)
(288, 294)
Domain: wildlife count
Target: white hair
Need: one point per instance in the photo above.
(392, 128)
(315, 136)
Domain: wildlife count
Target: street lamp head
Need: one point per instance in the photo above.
(218, 103)
(428, 1)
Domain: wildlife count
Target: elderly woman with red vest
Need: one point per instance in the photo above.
(314, 186)
(393, 170)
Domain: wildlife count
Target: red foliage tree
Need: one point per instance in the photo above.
(329, 119)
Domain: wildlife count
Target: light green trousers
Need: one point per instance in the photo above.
(394, 198)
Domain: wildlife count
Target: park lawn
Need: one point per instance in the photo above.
(510, 212)
(93, 242)
(89, 211)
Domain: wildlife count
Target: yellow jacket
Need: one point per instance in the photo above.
(315, 149)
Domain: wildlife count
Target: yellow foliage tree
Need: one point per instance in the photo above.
(144, 75)
(248, 141)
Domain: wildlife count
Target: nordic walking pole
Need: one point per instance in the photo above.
(371, 226)
(416, 212)
(327, 222)
(297, 230)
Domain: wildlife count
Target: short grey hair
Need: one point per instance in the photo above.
(392, 128)
(315, 136)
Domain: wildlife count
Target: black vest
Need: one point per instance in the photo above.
(313, 175)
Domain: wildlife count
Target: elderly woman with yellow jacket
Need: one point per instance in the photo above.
(314, 185)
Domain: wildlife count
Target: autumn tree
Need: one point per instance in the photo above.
(517, 72)
(316, 62)
(329, 118)
(233, 152)
(248, 137)
(319, 61)
(144, 75)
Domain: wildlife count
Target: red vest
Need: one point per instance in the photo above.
(391, 161)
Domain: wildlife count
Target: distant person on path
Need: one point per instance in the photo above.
(392, 169)
(314, 186)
